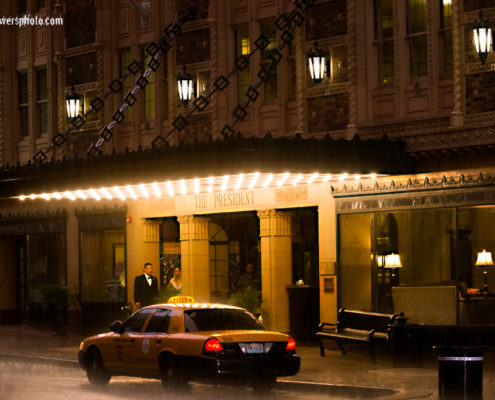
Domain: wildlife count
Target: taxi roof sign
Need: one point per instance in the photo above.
(180, 299)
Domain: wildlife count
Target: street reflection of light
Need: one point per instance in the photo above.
(240, 179)
(268, 180)
(69, 195)
(94, 194)
(211, 181)
(57, 195)
(144, 192)
(106, 193)
(254, 180)
(119, 193)
(282, 180)
(343, 176)
(225, 182)
(327, 178)
(313, 177)
(81, 194)
(196, 185)
(170, 189)
(297, 179)
(131, 192)
(156, 189)
(183, 189)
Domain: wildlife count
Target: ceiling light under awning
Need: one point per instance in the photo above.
(242, 181)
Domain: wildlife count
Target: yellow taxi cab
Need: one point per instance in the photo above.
(182, 341)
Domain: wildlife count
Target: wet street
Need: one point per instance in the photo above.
(21, 380)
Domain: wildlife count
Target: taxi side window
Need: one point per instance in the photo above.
(190, 326)
(159, 321)
(135, 322)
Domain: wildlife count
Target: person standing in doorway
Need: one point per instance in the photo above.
(145, 287)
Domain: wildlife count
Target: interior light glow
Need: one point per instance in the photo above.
(119, 193)
(196, 185)
(313, 177)
(81, 194)
(131, 192)
(144, 191)
(183, 189)
(211, 181)
(254, 180)
(283, 179)
(240, 179)
(225, 182)
(297, 179)
(170, 189)
(106, 193)
(327, 178)
(268, 180)
(156, 189)
(94, 195)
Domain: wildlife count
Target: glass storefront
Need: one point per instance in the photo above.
(437, 248)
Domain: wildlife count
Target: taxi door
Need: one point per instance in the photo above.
(127, 345)
(153, 340)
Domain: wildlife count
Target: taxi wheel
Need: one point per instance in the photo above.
(263, 384)
(95, 371)
(170, 373)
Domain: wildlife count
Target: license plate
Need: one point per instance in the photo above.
(254, 348)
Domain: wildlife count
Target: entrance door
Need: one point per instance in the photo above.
(21, 280)
(219, 263)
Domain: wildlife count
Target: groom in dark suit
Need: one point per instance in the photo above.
(145, 287)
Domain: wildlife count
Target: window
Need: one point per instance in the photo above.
(124, 61)
(159, 321)
(270, 86)
(219, 320)
(242, 47)
(101, 281)
(41, 4)
(42, 102)
(384, 39)
(135, 322)
(446, 35)
(149, 91)
(22, 8)
(23, 104)
(416, 35)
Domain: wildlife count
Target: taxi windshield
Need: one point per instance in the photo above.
(219, 320)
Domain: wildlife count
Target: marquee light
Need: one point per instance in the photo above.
(243, 181)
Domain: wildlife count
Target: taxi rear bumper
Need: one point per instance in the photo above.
(247, 366)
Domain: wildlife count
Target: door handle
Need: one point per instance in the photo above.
(158, 341)
(132, 340)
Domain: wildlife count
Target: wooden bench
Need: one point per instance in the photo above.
(357, 326)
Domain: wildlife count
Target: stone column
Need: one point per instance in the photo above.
(276, 267)
(195, 257)
(151, 245)
(457, 115)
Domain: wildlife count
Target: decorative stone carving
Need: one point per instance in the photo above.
(151, 231)
(274, 223)
(193, 228)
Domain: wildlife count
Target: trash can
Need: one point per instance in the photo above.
(460, 373)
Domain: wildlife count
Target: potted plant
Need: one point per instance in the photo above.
(250, 299)
(55, 303)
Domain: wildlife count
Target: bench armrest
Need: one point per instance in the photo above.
(323, 324)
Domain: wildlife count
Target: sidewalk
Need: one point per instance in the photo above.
(351, 375)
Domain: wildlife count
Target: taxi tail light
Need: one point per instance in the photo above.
(291, 346)
(212, 346)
